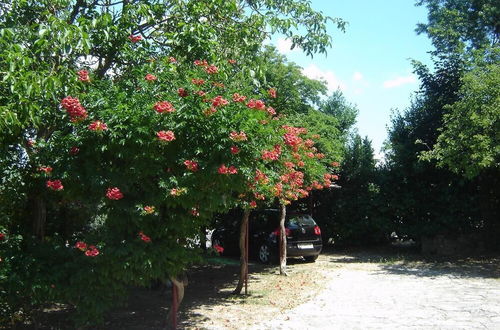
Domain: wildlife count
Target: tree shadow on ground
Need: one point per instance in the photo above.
(212, 285)
(147, 308)
(209, 285)
(408, 261)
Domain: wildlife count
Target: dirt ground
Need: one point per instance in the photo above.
(209, 304)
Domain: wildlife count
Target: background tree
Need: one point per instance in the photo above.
(428, 199)
(351, 215)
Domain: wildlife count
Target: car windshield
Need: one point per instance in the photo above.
(300, 220)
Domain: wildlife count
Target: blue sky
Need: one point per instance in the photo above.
(370, 62)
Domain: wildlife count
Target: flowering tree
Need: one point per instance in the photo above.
(295, 168)
(118, 142)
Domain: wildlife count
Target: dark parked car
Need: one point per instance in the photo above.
(303, 235)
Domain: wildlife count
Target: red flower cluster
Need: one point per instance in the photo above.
(272, 92)
(218, 248)
(335, 164)
(2, 237)
(149, 209)
(144, 237)
(256, 104)
(150, 77)
(320, 155)
(278, 189)
(315, 185)
(211, 69)
(200, 62)
(90, 251)
(261, 177)
(74, 150)
(74, 109)
(219, 101)
(294, 178)
(239, 98)
(114, 193)
(201, 93)
(227, 170)
(235, 136)
(191, 165)
(163, 106)
(272, 154)
(295, 130)
(209, 111)
(55, 185)
(166, 136)
(271, 111)
(83, 75)
(195, 212)
(259, 196)
(218, 84)
(46, 169)
(182, 92)
(309, 143)
(172, 59)
(82, 246)
(98, 126)
(197, 81)
(234, 150)
(177, 191)
(291, 139)
(134, 39)
(231, 61)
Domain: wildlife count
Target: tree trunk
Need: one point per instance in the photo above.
(203, 238)
(39, 217)
(178, 284)
(243, 252)
(283, 241)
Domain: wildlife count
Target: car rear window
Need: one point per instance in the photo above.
(300, 220)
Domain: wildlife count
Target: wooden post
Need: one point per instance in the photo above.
(283, 241)
(243, 243)
(174, 306)
(246, 258)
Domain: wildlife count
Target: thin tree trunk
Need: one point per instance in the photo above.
(178, 284)
(243, 252)
(203, 238)
(39, 217)
(283, 241)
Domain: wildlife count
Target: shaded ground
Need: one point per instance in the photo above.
(341, 290)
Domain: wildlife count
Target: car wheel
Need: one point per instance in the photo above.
(265, 254)
(311, 258)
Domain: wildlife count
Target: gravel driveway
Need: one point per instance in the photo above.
(399, 295)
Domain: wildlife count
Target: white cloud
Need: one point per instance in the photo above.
(332, 82)
(283, 45)
(399, 81)
(357, 76)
